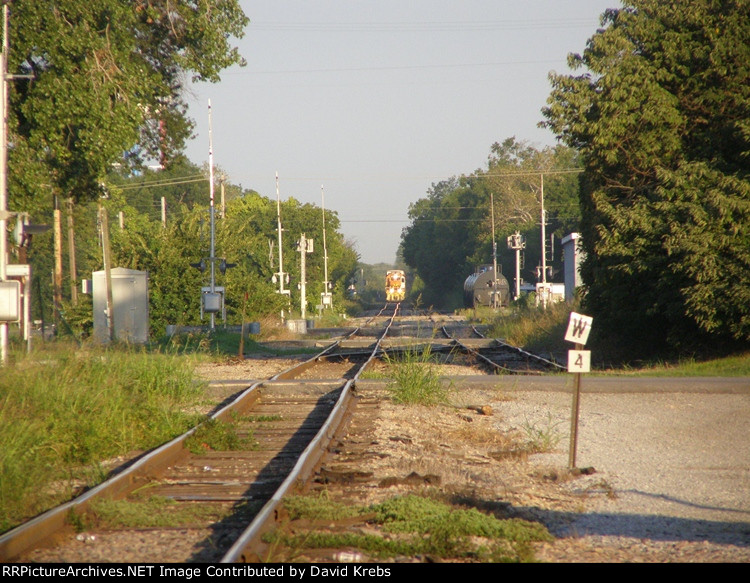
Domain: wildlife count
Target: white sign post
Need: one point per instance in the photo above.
(579, 361)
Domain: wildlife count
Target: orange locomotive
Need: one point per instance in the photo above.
(395, 285)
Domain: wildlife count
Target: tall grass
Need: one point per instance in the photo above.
(729, 366)
(415, 379)
(64, 410)
(535, 328)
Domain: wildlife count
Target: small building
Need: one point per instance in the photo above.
(130, 305)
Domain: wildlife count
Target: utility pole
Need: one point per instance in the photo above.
(104, 220)
(544, 245)
(212, 210)
(58, 270)
(494, 253)
(4, 178)
(223, 201)
(72, 255)
(4, 214)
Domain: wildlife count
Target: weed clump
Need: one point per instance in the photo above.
(542, 439)
(154, 512)
(415, 379)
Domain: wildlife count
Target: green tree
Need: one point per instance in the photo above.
(107, 90)
(107, 86)
(182, 184)
(241, 240)
(661, 118)
(451, 229)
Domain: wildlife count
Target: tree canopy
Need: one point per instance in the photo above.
(451, 229)
(98, 98)
(661, 118)
(107, 86)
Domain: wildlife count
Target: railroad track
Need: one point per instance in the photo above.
(496, 355)
(295, 418)
(284, 426)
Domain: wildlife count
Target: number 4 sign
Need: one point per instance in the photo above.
(579, 361)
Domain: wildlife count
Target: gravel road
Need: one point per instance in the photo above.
(672, 457)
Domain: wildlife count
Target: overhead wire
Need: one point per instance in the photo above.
(434, 26)
(165, 182)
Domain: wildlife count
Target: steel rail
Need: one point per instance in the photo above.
(476, 354)
(244, 548)
(32, 532)
(494, 365)
(521, 351)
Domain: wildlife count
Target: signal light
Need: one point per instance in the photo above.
(201, 266)
(223, 266)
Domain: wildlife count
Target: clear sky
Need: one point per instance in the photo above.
(371, 102)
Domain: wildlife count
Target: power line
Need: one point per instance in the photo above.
(165, 182)
(434, 26)
(395, 67)
(396, 178)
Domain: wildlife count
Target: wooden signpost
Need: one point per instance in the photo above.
(579, 361)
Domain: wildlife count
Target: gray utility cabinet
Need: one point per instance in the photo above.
(130, 305)
(572, 257)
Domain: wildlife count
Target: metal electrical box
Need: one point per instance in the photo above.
(10, 301)
(130, 305)
(212, 302)
(572, 257)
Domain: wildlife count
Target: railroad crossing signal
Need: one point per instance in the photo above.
(516, 241)
(223, 265)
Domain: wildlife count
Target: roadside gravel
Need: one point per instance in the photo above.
(672, 471)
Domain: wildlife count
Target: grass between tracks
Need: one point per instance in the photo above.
(406, 526)
(64, 409)
(415, 379)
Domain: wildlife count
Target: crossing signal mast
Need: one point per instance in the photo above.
(517, 243)
(280, 277)
(326, 298)
(212, 296)
(543, 289)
